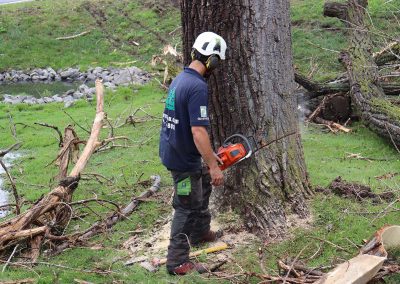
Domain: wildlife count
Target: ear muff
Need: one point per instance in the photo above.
(212, 62)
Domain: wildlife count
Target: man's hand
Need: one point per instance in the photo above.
(217, 178)
(202, 141)
(220, 162)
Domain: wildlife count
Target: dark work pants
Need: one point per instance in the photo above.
(192, 217)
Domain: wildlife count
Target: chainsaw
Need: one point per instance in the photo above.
(232, 153)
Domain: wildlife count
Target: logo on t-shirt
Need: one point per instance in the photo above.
(203, 111)
(170, 102)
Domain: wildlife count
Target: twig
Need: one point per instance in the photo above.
(9, 259)
(15, 146)
(379, 215)
(14, 188)
(60, 266)
(12, 127)
(81, 127)
(391, 138)
(60, 138)
(96, 200)
(294, 261)
(74, 36)
(332, 244)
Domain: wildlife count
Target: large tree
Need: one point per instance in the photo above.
(252, 94)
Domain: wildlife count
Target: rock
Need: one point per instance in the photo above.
(69, 92)
(91, 77)
(68, 104)
(68, 99)
(48, 100)
(109, 85)
(91, 91)
(40, 101)
(30, 101)
(69, 73)
(77, 95)
(57, 99)
(83, 88)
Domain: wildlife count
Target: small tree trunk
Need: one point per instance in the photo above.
(252, 93)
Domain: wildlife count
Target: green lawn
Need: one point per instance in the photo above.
(27, 40)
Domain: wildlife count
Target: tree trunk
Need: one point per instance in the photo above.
(376, 112)
(252, 93)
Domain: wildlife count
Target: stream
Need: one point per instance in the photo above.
(4, 193)
(38, 90)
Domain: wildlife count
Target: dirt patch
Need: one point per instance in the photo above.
(355, 190)
(155, 243)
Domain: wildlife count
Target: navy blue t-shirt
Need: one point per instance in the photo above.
(186, 106)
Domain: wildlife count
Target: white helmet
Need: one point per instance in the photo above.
(208, 43)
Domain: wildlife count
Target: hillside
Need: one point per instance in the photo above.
(131, 33)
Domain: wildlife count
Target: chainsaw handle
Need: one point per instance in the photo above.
(245, 139)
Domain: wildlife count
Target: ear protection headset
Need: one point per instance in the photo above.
(211, 62)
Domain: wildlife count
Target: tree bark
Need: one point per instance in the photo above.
(252, 93)
(376, 112)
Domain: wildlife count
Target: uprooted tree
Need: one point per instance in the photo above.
(252, 93)
(366, 89)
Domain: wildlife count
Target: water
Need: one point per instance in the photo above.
(39, 90)
(4, 194)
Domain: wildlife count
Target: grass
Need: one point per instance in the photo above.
(317, 40)
(27, 40)
(28, 33)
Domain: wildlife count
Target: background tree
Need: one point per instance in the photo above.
(252, 94)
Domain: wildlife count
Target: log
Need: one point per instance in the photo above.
(15, 229)
(376, 112)
(317, 89)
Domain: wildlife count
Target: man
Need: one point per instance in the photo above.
(184, 142)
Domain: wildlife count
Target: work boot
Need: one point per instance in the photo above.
(210, 236)
(189, 267)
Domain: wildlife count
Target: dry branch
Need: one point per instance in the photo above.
(14, 188)
(112, 219)
(60, 139)
(13, 147)
(46, 211)
(74, 36)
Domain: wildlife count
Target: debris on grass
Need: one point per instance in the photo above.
(355, 190)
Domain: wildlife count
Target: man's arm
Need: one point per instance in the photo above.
(202, 141)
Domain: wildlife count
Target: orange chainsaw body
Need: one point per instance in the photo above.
(231, 154)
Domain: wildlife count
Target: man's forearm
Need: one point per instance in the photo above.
(202, 141)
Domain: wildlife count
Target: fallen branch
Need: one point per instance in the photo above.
(13, 147)
(111, 220)
(74, 36)
(51, 208)
(14, 188)
(60, 139)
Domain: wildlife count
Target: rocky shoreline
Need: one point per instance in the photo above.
(112, 78)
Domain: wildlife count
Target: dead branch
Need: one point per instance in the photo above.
(13, 147)
(12, 127)
(14, 188)
(112, 219)
(9, 259)
(69, 151)
(332, 125)
(98, 177)
(60, 139)
(76, 123)
(51, 208)
(74, 36)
